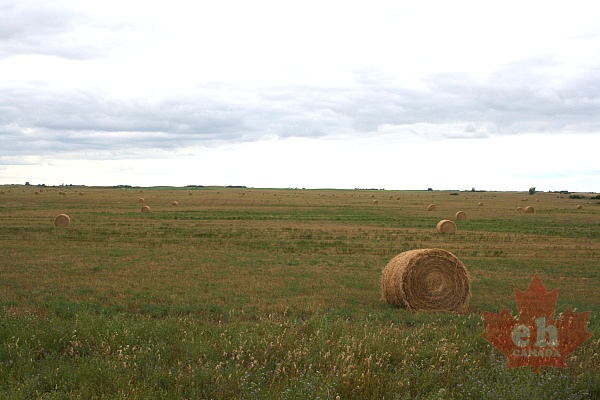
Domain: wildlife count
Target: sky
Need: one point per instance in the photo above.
(494, 95)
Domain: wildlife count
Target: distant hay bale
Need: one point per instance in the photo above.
(528, 209)
(446, 226)
(375, 202)
(2, 192)
(390, 197)
(426, 279)
(174, 203)
(141, 200)
(519, 209)
(460, 215)
(398, 198)
(145, 209)
(62, 220)
(480, 204)
(579, 206)
(431, 207)
(37, 193)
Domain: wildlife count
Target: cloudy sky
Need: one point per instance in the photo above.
(496, 95)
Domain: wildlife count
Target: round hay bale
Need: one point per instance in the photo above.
(62, 220)
(480, 204)
(426, 279)
(528, 209)
(375, 202)
(579, 206)
(141, 200)
(446, 226)
(431, 207)
(519, 209)
(145, 209)
(460, 215)
(174, 203)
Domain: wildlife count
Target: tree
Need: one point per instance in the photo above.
(532, 190)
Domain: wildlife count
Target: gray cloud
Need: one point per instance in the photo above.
(38, 119)
(54, 29)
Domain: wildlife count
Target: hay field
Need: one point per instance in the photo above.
(272, 293)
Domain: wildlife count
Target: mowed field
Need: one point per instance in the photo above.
(275, 294)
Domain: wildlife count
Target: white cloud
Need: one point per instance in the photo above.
(123, 81)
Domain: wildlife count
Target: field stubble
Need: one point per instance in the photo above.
(250, 293)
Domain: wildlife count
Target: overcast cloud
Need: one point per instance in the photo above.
(91, 91)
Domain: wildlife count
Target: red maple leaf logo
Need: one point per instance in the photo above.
(536, 339)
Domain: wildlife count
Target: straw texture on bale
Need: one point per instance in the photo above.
(146, 209)
(62, 220)
(461, 215)
(528, 209)
(426, 279)
(431, 207)
(446, 226)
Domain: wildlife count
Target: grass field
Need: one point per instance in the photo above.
(275, 294)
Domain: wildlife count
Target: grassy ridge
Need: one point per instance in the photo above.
(240, 293)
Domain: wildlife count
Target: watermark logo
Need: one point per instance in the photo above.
(536, 339)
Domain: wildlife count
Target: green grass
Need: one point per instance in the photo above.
(274, 294)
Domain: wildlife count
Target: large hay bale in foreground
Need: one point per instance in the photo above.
(529, 209)
(426, 279)
(145, 209)
(62, 220)
(460, 215)
(446, 226)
